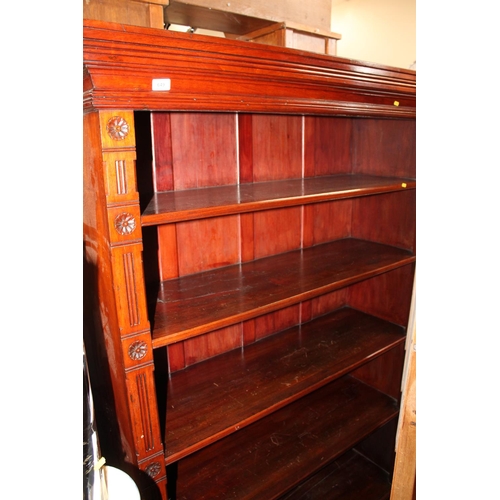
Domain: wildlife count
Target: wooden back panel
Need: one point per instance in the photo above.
(193, 150)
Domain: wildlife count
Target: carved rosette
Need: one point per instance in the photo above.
(125, 223)
(137, 350)
(153, 469)
(117, 128)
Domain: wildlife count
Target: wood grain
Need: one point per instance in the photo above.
(203, 149)
(326, 221)
(276, 231)
(224, 200)
(199, 303)
(387, 296)
(384, 146)
(208, 244)
(327, 146)
(256, 161)
(277, 147)
(217, 74)
(392, 218)
(204, 404)
(285, 447)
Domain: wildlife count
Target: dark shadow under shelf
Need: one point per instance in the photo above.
(216, 397)
(351, 477)
(199, 303)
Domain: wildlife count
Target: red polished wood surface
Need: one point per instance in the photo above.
(327, 145)
(247, 332)
(216, 74)
(168, 255)
(375, 372)
(212, 344)
(173, 206)
(276, 231)
(279, 451)
(203, 149)
(387, 296)
(350, 477)
(199, 303)
(219, 341)
(161, 134)
(324, 303)
(318, 217)
(277, 321)
(392, 218)
(384, 147)
(277, 145)
(207, 244)
(205, 404)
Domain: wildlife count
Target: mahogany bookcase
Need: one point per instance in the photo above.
(249, 258)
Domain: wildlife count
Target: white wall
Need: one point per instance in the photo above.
(380, 31)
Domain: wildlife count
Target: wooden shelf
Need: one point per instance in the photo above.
(351, 477)
(199, 303)
(301, 438)
(267, 375)
(189, 204)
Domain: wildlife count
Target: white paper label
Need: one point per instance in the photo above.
(161, 83)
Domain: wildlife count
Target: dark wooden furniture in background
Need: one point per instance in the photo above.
(226, 20)
(249, 242)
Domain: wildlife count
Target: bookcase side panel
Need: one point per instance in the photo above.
(387, 296)
(388, 218)
(384, 372)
